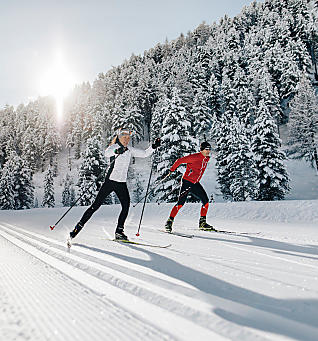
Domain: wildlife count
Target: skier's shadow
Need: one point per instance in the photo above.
(304, 311)
(273, 245)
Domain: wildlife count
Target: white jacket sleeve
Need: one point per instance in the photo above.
(140, 152)
(110, 150)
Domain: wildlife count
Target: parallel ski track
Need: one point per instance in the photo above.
(153, 296)
(30, 299)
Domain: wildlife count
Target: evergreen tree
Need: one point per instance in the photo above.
(176, 142)
(66, 194)
(223, 154)
(303, 124)
(16, 184)
(243, 174)
(7, 187)
(29, 148)
(273, 178)
(135, 184)
(48, 198)
(72, 195)
(201, 113)
(91, 171)
(24, 189)
(52, 145)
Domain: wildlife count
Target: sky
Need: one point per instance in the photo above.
(44, 41)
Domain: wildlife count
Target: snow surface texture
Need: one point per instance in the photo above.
(261, 286)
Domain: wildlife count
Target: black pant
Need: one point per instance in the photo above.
(196, 189)
(120, 188)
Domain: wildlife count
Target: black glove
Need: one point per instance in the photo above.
(120, 150)
(166, 173)
(156, 143)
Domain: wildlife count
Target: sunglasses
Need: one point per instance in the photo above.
(125, 132)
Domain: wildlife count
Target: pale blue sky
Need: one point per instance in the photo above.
(93, 35)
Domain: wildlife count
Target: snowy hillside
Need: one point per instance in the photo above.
(256, 286)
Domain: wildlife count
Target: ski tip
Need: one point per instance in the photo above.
(52, 227)
(69, 243)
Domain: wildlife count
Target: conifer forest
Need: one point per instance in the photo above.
(236, 83)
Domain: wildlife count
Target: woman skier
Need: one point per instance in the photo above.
(120, 155)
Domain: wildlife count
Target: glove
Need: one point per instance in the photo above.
(156, 143)
(166, 173)
(120, 150)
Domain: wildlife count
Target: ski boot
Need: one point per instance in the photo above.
(119, 233)
(204, 226)
(168, 226)
(76, 230)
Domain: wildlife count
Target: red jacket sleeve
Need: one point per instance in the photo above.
(184, 159)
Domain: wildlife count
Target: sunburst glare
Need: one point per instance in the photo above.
(57, 81)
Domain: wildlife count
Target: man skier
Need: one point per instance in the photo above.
(196, 165)
(116, 180)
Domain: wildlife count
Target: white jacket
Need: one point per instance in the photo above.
(120, 167)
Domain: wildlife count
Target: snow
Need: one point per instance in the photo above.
(260, 286)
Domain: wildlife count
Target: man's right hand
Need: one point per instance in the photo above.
(167, 173)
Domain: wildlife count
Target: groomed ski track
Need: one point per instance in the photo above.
(102, 291)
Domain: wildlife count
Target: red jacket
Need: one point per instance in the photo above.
(196, 165)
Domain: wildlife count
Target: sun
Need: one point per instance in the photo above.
(57, 81)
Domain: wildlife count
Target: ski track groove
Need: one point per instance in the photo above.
(202, 319)
(73, 294)
(208, 321)
(220, 261)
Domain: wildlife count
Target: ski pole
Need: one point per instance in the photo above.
(162, 180)
(143, 207)
(185, 192)
(100, 175)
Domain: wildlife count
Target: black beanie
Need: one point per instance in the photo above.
(205, 145)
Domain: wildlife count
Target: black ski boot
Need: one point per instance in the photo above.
(168, 226)
(204, 226)
(119, 234)
(76, 230)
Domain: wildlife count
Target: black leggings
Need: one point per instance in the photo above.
(120, 188)
(196, 189)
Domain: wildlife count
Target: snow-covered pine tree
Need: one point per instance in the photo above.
(243, 174)
(303, 124)
(176, 142)
(16, 184)
(266, 90)
(66, 194)
(213, 100)
(135, 185)
(223, 154)
(201, 113)
(48, 198)
(52, 145)
(7, 186)
(223, 135)
(72, 195)
(91, 171)
(29, 148)
(245, 102)
(134, 121)
(266, 145)
(24, 189)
